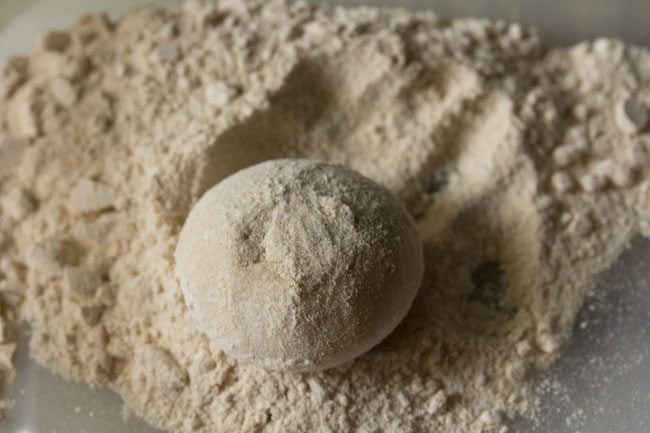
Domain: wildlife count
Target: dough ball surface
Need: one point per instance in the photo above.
(298, 265)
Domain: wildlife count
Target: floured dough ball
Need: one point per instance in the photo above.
(298, 265)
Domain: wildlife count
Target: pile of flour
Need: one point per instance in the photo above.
(526, 169)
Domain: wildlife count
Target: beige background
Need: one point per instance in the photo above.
(559, 21)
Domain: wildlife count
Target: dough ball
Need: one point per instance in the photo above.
(298, 265)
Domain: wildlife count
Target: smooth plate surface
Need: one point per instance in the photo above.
(601, 384)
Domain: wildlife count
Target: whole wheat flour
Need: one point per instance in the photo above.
(526, 169)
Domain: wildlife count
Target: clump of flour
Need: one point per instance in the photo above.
(297, 265)
(526, 169)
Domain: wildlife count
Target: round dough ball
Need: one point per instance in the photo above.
(298, 265)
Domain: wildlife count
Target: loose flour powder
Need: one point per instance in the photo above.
(525, 167)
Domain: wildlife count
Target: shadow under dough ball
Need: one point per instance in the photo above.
(298, 265)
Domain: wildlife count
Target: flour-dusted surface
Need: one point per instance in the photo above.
(298, 265)
(525, 167)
